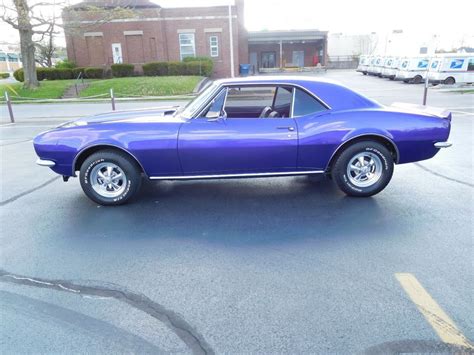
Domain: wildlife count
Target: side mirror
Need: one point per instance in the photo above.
(213, 116)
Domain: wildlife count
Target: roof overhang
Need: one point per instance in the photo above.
(277, 36)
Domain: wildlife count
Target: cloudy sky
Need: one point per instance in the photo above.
(450, 21)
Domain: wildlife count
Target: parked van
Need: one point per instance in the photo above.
(412, 69)
(390, 68)
(375, 68)
(452, 69)
(363, 64)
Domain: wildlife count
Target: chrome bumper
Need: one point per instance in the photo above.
(48, 163)
(443, 144)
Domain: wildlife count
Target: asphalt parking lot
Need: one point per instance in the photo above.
(276, 265)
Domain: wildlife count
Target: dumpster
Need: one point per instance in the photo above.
(244, 69)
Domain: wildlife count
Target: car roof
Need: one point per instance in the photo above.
(290, 79)
(333, 94)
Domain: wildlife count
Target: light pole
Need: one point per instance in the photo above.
(231, 34)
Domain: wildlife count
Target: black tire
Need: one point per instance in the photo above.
(130, 183)
(377, 153)
(417, 79)
(406, 81)
(449, 81)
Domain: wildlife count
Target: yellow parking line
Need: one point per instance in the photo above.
(434, 314)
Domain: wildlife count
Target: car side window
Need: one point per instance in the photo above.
(470, 66)
(248, 101)
(306, 104)
(282, 103)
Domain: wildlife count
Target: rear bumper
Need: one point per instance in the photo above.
(47, 163)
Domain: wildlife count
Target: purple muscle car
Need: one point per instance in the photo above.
(247, 127)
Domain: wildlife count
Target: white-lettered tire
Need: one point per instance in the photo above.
(110, 177)
(363, 169)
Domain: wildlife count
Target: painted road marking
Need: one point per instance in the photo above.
(434, 314)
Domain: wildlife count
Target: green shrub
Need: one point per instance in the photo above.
(199, 68)
(176, 68)
(64, 73)
(155, 69)
(197, 59)
(4, 75)
(94, 73)
(65, 64)
(46, 74)
(19, 75)
(77, 71)
(122, 70)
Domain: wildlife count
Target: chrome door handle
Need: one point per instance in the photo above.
(291, 129)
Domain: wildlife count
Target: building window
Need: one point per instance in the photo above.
(186, 45)
(214, 46)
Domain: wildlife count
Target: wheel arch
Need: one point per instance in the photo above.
(89, 150)
(386, 141)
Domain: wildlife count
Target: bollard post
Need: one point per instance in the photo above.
(425, 93)
(112, 98)
(9, 105)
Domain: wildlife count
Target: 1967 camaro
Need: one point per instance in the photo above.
(247, 127)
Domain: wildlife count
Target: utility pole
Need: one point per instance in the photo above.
(231, 34)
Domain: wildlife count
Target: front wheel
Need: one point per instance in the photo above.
(363, 169)
(110, 177)
(417, 79)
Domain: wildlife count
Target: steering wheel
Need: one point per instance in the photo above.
(265, 112)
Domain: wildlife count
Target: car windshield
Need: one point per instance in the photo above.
(190, 109)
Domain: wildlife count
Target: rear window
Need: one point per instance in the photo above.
(305, 104)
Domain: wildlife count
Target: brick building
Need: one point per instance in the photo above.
(103, 32)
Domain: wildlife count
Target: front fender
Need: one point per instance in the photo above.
(154, 146)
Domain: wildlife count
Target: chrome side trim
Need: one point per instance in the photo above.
(223, 176)
(363, 135)
(48, 163)
(443, 144)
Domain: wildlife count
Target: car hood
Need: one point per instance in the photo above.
(157, 114)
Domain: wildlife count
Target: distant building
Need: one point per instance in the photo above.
(10, 59)
(149, 33)
(280, 49)
(152, 33)
(344, 49)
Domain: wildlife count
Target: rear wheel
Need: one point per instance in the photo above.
(363, 169)
(110, 178)
(449, 81)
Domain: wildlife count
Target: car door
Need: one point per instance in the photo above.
(230, 137)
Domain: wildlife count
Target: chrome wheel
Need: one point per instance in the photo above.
(108, 179)
(364, 169)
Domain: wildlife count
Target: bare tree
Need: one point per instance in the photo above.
(45, 48)
(31, 23)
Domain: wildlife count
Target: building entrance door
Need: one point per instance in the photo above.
(268, 59)
(117, 52)
(298, 58)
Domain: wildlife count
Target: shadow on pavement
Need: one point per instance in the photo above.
(237, 212)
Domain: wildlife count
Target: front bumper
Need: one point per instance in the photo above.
(443, 144)
(47, 163)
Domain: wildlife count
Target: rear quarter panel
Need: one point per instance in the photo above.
(414, 135)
